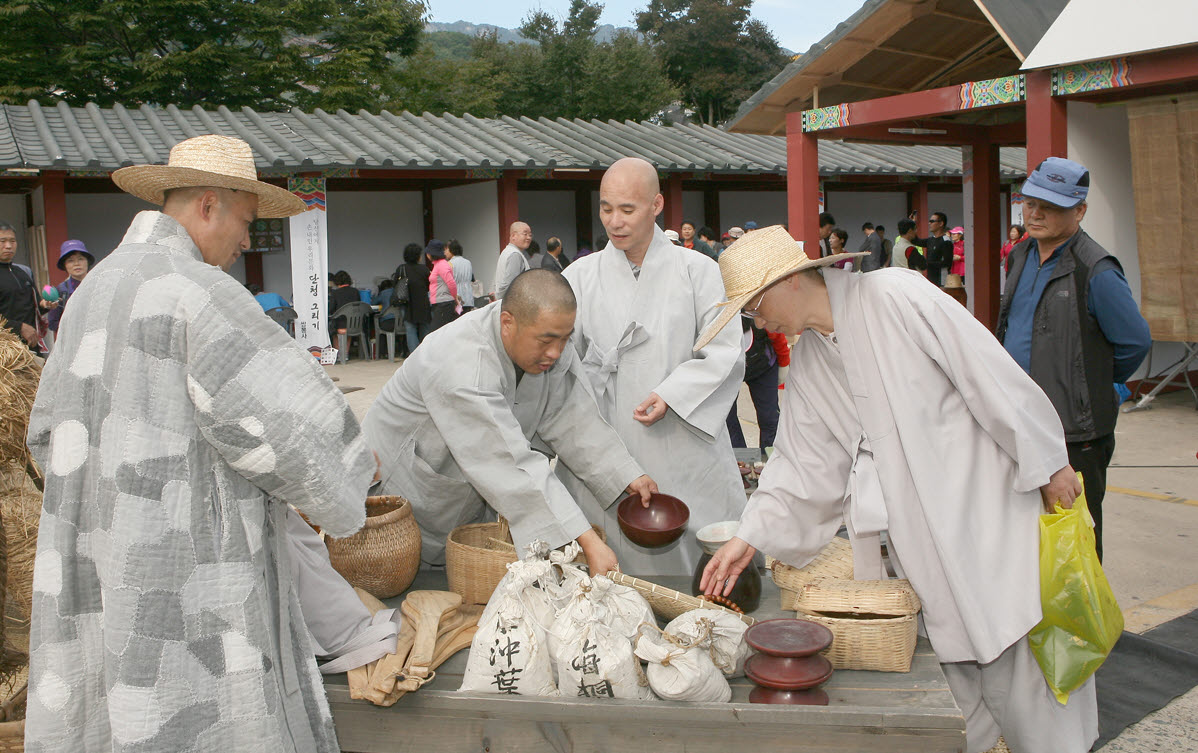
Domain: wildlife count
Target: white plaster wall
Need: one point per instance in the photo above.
(763, 207)
(470, 213)
(951, 203)
(549, 213)
(12, 211)
(367, 233)
(1098, 139)
(852, 209)
(101, 219)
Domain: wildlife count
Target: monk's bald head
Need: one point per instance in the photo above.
(635, 172)
(629, 202)
(538, 290)
(520, 235)
(536, 319)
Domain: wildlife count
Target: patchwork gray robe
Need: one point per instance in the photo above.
(174, 422)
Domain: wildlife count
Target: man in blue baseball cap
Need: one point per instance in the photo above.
(1069, 319)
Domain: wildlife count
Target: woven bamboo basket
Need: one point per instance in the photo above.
(477, 556)
(476, 559)
(12, 737)
(835, 560)
(384, 556)
(668, 603)
(873, 622)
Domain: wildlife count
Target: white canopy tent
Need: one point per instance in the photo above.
(1100, 29)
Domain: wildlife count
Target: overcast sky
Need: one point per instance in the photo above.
(796, 23)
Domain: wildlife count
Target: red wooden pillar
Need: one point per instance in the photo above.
(426, 213)
(1047, 124)
(922, 208)
(253, 270)
(509, 205)
(584, 218)
(802, 184)
(987, 230)
(54, 210)
(673, 196)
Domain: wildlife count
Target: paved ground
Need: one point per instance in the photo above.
(1151, 529)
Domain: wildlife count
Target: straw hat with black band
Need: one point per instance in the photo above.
(208, 161)
(755, 262)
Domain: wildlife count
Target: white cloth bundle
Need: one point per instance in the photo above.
(680, 671)
(720, 632)
(625, 609)
(594, 660)
(509, 653)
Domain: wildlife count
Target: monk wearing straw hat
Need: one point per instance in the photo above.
(175, 423)
(956, 478)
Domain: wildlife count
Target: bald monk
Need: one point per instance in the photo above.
(642, 302)
(512, 259)
(454, 428)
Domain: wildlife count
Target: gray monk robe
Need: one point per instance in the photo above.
(455, 427)
(174, 421)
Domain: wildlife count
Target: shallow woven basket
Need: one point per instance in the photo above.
(835, 560)
(873, 622)
(668, 603)
(384, 556)
(476, 559)
(12, 737)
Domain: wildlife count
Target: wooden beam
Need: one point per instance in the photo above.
(673, 196)
(1047, 122)
(981, 168)
(1140, 71)
(54, 208)
(802, 184)
(867, 85)
(923, 209)
(915, 54)
(253, 270)
(961, 18)
(509, 204)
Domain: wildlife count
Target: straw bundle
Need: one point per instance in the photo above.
(19, 374)
(20, 510)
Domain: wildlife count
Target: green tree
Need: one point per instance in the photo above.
(266, 54)
(712, 51)
(614, 81)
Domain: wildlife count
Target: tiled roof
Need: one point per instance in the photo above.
(103, 139)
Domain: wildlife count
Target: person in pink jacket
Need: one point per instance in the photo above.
(442, 289)
(958, 266)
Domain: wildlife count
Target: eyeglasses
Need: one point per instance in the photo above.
(751, 313)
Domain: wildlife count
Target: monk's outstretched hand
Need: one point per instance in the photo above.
(651, 411)
(725, 567)
(601, 560)
(644, 486)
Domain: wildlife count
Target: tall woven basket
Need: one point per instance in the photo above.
(476, 559)
(384, 557)
(835, 560)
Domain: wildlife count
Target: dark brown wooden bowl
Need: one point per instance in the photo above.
(659, 524)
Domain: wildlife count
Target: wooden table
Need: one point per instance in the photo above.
(869, 711)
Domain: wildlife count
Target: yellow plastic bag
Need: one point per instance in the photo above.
(1081, 620)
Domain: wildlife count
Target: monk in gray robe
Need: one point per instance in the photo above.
(468, 423)
(956, 479)
(175, 422)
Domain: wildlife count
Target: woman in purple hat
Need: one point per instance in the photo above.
(76, 261)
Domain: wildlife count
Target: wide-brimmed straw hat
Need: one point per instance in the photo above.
(753, 263)
(216, 161)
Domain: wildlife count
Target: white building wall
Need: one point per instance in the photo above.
(12, 211)
(101, 219)
(470, 213)
(549, 213)
(763, 207)
(367, 233)
(852, 209)
(1098, 139)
